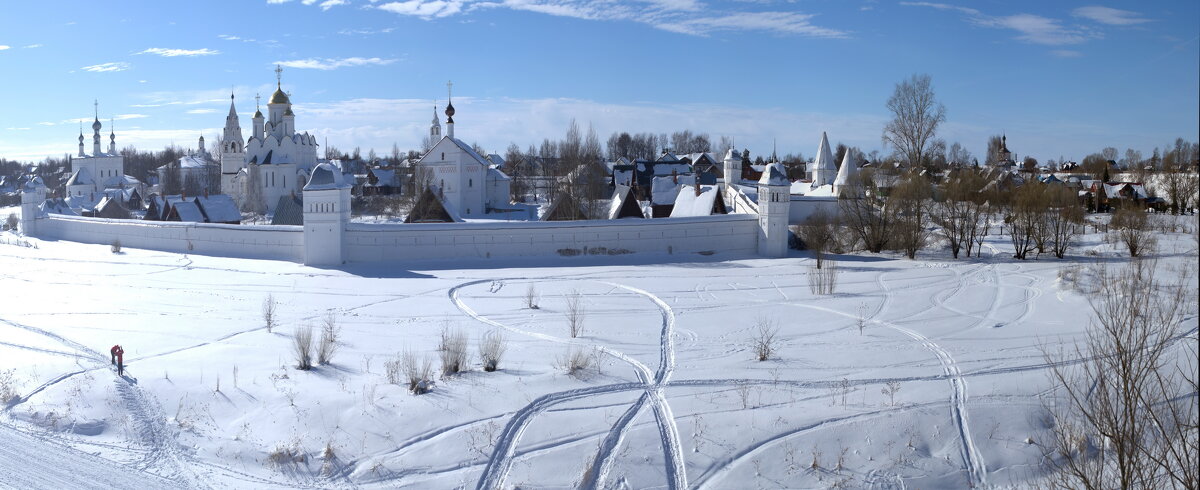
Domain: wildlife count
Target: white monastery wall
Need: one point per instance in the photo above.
(250, 241)
(728, 234)
(803, 207)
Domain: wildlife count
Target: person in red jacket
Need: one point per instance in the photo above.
(112, 354)
(120, 361)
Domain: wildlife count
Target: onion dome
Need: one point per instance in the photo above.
(279, 97)
(449, 109)
(96, 125)
(258, 114)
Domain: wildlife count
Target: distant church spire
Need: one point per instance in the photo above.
(96, 130)
(81, 138)
(435, 128)
(112, 137)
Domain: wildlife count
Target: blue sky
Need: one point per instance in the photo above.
(1059, 78)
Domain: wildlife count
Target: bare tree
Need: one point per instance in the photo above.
(959, 215)
(819, 235)
(867, 217)
(823, 280)
(1179, 182)
(1063, 219)
(253, 200)
(1025, 218)
(890, 390)
(532, 297)
(270, 320)
(916, 116)
(1132, 228)
(575, 314)
(1127, 413)
(910, 202)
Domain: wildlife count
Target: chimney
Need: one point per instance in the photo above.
(675, 176)
(696, 183)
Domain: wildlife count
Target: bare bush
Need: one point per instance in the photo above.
(286, 454)
(763, 339)
(576, 362)
(302, 347)
(418, 374)
(960, 215)
(532, 297)
(1127, 415)
(1132, 228)
(115, 246)
(890, 391)
(10, 223)
(910, 203)
(575, 314)
(452, 348)
(491, 350)
(1063, 220)
(270, 320)
(330, 331)
(8, 387)
(867, 218)
(819, 235)
(823, 280)
(1025, 219)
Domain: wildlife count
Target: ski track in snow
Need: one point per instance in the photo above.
(975, 465)
(653, 385)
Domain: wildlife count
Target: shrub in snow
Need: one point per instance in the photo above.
(576, 362)
(453, 351)
(302, 343)
(116, 246)
(268, 313)
(491, 349)
(329, 335)
(10, 223)
(8, 387)
(823, 279)
(532, 297)
(763, 339)
(286, 454)
(405, 369)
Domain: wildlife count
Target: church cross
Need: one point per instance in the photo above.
(278, 75)
(96, 102)
(256, 97)
(449, 89)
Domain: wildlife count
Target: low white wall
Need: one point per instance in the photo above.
(251, 241)
(735, 233)
(802, 207)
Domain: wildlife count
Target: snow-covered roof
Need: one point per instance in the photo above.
(470, 151)
(667, 157)
(385, 177)
(732, 154)
(495, 174)
(55, 206)
(824, 159)
(188, 211)
(688, 204)
(194, 161)
(666, 169)
(325, 177)
(220, 208)
(774, 174)
(83, 176)
(1114, 190)
(496, 160)
(664, 189)
(848, 173)
(623, 177)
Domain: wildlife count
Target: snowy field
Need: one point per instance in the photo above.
(674, 398)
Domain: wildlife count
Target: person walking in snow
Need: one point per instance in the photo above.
(120, 360)
(112, 354)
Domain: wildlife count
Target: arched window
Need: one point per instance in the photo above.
(470, 182)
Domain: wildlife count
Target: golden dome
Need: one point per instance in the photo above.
(279, 97)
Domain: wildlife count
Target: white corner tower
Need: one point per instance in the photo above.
(774, 202)
(326, 213)
(732, 167)
(846, 184)
(824, 168)
(33, 193)
(233, 150)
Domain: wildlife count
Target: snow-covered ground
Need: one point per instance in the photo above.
(677, 400)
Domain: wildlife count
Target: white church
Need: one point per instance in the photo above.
(275, 160)
(468, 184)
(92, 176)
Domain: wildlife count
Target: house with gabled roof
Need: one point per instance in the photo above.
(463, 179)
(624, 204)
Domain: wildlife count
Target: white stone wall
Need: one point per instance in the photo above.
(727, 234)
(803, 207)
(250, 241)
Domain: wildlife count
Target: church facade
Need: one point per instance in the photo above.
(101, 172)
(467, 183)
(275, 161)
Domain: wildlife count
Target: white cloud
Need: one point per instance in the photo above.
(1036, 29)
(105, 67)
(1066, 53)
(365, 31)
(167, 52)
(229, 37)
(776, 22)
(3, 47)
(426, 9)
(333, 64)
(31, 46)
(277, 1)
(17, 129)
(1031, 28)
(328, 4)
(1110, 16)
(118, 117)
(202, 111)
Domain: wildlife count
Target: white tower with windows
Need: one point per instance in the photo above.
(733, 174)
(326, 212)
(233, 149)
(774, 201)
